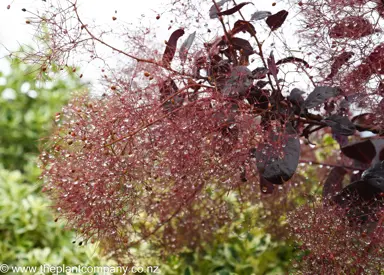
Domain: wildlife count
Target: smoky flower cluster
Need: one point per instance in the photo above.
(119, 169)
(338, 241)
(345, 39)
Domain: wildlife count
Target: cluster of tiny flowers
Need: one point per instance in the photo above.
(127, 171)
(338, 242)
(334, 29)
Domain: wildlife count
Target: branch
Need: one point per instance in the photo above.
(85, 27)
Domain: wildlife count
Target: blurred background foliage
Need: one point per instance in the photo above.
(27, 111)
(244, 252)
(28, 231)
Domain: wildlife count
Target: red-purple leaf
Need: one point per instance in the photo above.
(279, 167)
(334, 183)
(363, 151)
(234, 9)
(167, 89)
(370, 187)
(243, 26)
(276, 20)
(292, 59)
(242, 44)
(170, 50)
(340, 125)
(320, 95)
(185, 46)
(364, 120)
(266, 187)
(272, 65)
(213, 10)
(259, 72)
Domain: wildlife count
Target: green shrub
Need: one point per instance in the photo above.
(29, 234)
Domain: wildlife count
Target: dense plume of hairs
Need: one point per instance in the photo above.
(337, 241)
(345, 39)
(120, 169)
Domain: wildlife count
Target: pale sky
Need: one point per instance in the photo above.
(15, 32)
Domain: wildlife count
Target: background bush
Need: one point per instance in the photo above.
(28, 231)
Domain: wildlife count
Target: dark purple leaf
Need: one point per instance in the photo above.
(364, 120)
(273, 166)
(296, 97)
(334, 183)
(259, 72)
(340, 125)
(259, 15)
(258, 98)
(234, 9)
(243, 26)
(169, 91)
(297, 100)
(170, 50)
(363, 198)
(242, 44)
(261, 83)
(292, 59)
(186, 46)
(375, 172)
(319, 95)
(276, 20)
(381, 155)
(342, 140)
(238, 82)
(360, 167)
(363, 151)
(370, 187)
(213, 10)
(272, 65)
(266, 187)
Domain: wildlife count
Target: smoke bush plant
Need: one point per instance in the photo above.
(176, 136)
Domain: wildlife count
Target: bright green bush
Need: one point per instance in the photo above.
(29, 234)
(27, 111)
(251, 254)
